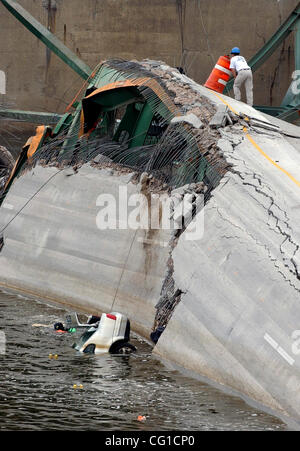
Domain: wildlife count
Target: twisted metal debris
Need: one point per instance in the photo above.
(175, 146)
(176, 153)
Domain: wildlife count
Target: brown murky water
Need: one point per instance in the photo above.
(37, 393)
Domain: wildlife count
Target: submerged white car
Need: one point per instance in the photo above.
(108, 333)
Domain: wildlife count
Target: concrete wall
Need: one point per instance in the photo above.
(239, 310)
(69, 259)
(191, 33)
(240, 303)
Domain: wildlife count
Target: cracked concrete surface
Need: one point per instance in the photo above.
(6, 164)
(244, 283)
(239, 283)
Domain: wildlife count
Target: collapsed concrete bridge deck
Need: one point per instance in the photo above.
(237, 321)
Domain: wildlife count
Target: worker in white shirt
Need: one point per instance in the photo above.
(242, 74)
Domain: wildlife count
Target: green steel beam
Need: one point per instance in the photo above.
(48, 39)
(290, 114)
(116, 98)
(272, 44)
(271, 110)
(276, 40)
(30, 116)
(63, 123)
(73, 133)
(292, 97)
(297, 45)
(142, 126)
(128, 122)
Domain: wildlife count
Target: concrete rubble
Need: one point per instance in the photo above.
(217, 299)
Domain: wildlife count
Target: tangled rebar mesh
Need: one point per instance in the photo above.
(176, 154)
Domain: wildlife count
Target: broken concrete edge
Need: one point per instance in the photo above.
(143, 178)
(230, 128)
(231, 118)
(199, 113)
(190, 102)
(220, 118)
(226, 139)
(148, 183)
(199, 109)
(191, 119)
(170, 294)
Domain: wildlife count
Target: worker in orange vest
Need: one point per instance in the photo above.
(242, 75)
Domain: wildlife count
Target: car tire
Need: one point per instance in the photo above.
(123, 348)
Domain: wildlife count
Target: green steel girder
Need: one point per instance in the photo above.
(276, 40)
(286, 113)
(33, 117)
(142, 126)
(48, 39)
(73, 133)
(292, 97)
(128, 122)
(273, 43)
(271, 110)
(137, 119)
(108, 101)
(289, 114)
(113, 100)
(63, 123)
(105, 75)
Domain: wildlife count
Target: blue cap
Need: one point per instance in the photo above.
(236, 51)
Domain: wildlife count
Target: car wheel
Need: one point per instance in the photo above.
(123, 348)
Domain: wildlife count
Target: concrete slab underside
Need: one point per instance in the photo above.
(240, 303)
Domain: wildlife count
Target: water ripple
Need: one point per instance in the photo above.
(37, 393)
